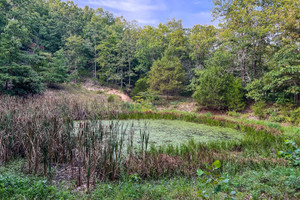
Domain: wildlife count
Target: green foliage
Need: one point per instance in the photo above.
(166, 76)
(12, 40)
(13, 186)
(292, 153)
(275, 183)
(202, 40)
(233, 114)
(258, 109)
(213, 181)
(146, 96)
(141, 85)
(20, 80)
(234, 94)
(281, 84)
(113, 98)
(76, 52)
(57, 69)
(219, 90)
(255, 90)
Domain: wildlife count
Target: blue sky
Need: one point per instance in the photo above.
(153, 12)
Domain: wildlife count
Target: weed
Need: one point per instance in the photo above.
(213, 181)
(258, 109)
(292, 153)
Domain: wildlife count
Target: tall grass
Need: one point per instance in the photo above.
(65, 132)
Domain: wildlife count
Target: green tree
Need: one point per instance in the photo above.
(219, 90)
(142, 85)
(127, 49)
(12, 40)
(246, 29)
(19, 80)
(56, 70)
(94, 31)
(151, 46)
(3, 10)
(76, 50)
(282, 83)
(203, 40)
(109, 54)
(166, 76)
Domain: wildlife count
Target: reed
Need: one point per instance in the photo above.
(66, 132)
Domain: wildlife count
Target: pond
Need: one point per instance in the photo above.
(164, 132)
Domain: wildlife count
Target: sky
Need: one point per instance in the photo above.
(153, 12)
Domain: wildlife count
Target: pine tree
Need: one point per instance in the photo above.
(166, 76)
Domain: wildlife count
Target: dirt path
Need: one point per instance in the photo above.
(92, 87)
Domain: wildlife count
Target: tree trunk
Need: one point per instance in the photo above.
(129, 82)
(122, 71)
(297, 99)
(243, 68)
(255, 68)
(95, 54)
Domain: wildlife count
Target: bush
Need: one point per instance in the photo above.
(291, 114)
(219, 90)
(13, 186)
(292, 153)
(255, 90)
(258, 109)
(146, 96)
(140, 86)
(113, 98)
(233, 114)
(20, 80)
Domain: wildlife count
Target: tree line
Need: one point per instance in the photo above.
(253, 54)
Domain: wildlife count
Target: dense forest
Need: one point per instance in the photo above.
(252, 55)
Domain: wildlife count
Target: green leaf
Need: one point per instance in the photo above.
(218, 188)
(217, 164)
(200, 172)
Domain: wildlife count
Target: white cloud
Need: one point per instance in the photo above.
(141, 10)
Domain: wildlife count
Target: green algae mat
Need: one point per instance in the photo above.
(164, 132)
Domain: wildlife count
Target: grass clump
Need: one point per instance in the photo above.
(258, 109)
(113, 98)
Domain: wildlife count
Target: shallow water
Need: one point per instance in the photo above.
(164, 132)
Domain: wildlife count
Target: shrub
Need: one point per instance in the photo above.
(113, 98)
(208, 114)
(213, 180)
(291, 114)
(219, 90)
(233, 114)
(258, 109)
(292, 153)
(140, 86)
(20, 80)
(255, 90)
(146, 96)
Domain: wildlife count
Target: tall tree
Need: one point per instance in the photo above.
(203, 41)
(128, 48)
(76, 50)
(247, 28)
(167, 76)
